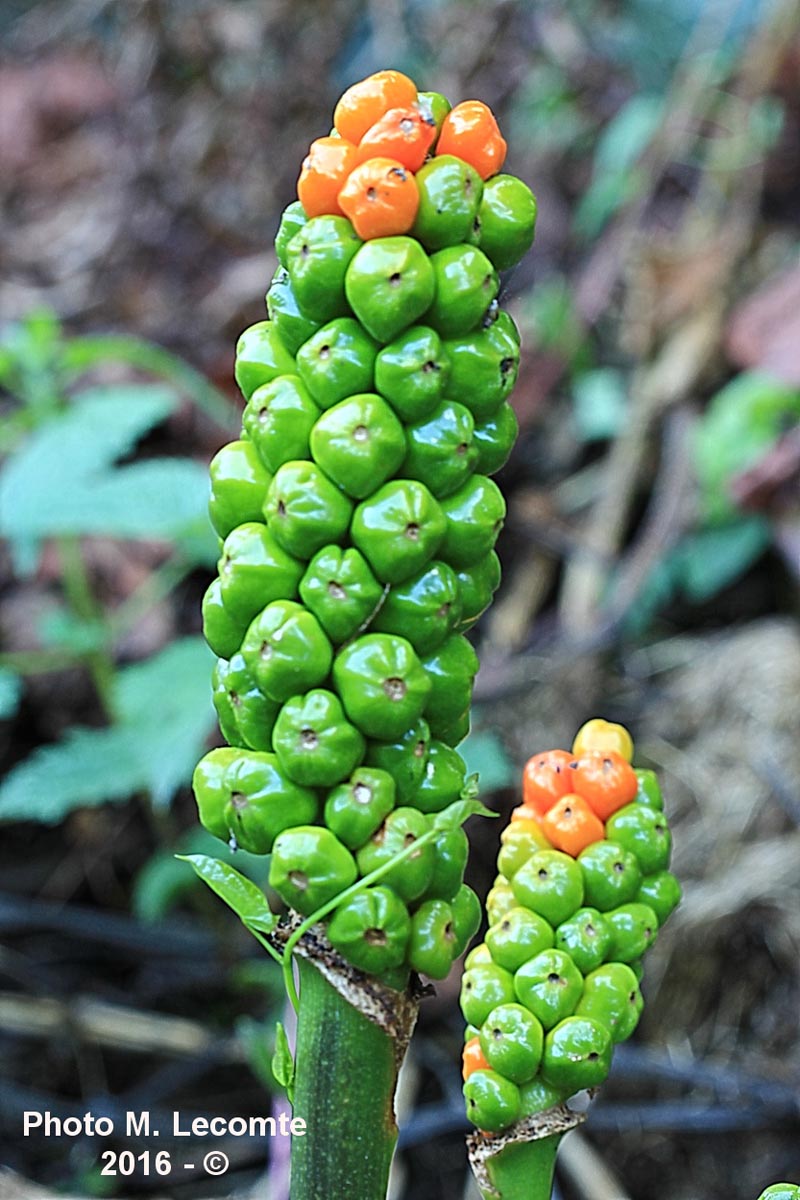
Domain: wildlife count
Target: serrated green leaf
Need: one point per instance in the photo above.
(454, 816)
(239, 893)
(86, 768)
(62, 479)
(164, 717)
(10, 693)
(282, 1061)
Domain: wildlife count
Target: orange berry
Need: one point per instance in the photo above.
(325, 168)
(546, 778)
(365, 103)
(605, 780)
(571, 825)
(472, 1058)
(380, 197)
(603, 735)
(405, 134)
(470, 132)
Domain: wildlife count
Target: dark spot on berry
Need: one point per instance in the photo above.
(324, 352)
(412, 531)
(395, 689)
(592, 1056)
(239, 801)
(449, 932)
(372, 193)
(309, 739)
(429, 366)
(406, 125)
(362, 794)
(506, 365)
(336, 591)
(399, 172)
(619, 867)
(419, 750)
(375, 937)
(554, 977)
(542, 872)
(298, 879)
(281, 509)
(305, 250)
(265, 650)
(360, 433)
(395, 278)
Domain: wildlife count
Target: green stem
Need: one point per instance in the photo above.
(523, 1170)
(344, 1091)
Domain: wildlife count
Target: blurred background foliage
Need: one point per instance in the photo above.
(651, 554)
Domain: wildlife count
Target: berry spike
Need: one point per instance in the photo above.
(582, 890)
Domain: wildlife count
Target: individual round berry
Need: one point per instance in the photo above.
(404, 134)
(551, 884)
(512, 1041)
(382, 684)
(380, 198)
(492, 1101)
(325, 169)
(470, 132)
(367, 101)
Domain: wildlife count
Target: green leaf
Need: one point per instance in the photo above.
(615, 179)
(741, 422)
(257, 1038)
(239, 893)
(10, 693)
(454, 816)
(62, 628)
(713, 558)
(163, 881)
(282, 1061)
(81, 353)
(164, 716)
(485, 755)
(600, 403)
(62, 479)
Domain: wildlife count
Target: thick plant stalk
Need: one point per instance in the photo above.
(521, 1169)
(346, 1078)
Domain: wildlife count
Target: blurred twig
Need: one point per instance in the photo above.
(112, 1025)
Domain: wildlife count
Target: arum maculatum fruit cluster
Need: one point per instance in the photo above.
(358, 519)
(582, 890)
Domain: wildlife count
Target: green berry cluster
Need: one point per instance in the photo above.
(555, 984)
(781, 1191)
(357, 524)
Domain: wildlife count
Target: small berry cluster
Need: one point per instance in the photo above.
(357, 524)
(582, 890)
